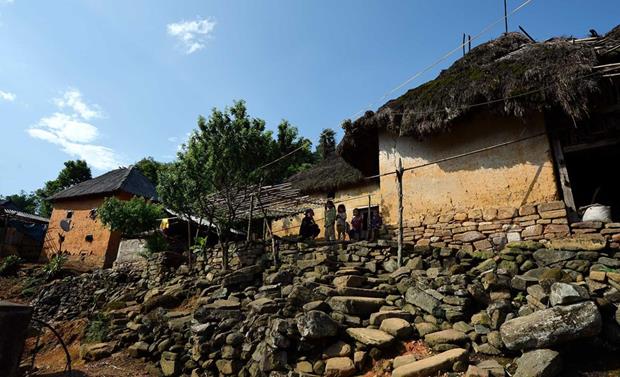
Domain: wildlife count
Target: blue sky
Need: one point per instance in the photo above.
(114, 81)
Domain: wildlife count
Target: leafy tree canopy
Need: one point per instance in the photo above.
(73, 173)
(25, 202)
(130, 217)
(327, 144)
(150, 168)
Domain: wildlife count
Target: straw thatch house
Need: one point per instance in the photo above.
(546, 115)
(335, 179)
(74, 228)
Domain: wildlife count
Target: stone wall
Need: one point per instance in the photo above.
(492, 229)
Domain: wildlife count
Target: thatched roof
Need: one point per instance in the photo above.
(129, 180)
(556, 74)
(331, 174)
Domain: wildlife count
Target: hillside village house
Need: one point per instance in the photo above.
(543, 119)
(335, 179)
(21, 233)
(74, 227)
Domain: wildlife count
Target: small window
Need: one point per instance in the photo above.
(93, 213)
(69, 214)
(89, 238)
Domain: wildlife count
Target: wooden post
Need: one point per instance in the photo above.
(399, 177)
(560, 163)
(249, 234)
(189, 243)
(505, 17)
(369, 235)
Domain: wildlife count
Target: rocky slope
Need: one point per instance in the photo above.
(340, 310)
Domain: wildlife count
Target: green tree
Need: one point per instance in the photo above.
(73, 173)
(150, 168)
(221, 162)
(288, 141)
(25, 202)
(130, 217)
(327, 144)
(176, 190)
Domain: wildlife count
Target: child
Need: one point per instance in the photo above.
(309, 229)
(330, 220)
(341, 222)
(356, 225)
(376, 222)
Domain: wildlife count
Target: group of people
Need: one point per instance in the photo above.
(336, 225)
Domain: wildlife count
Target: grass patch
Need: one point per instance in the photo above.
(98, 329)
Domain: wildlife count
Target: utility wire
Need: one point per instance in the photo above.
(446, 56)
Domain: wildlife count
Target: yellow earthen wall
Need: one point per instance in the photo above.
(513, 175)
(354, 197)
(101, 252)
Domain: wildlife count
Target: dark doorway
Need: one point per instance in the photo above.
(593, 176)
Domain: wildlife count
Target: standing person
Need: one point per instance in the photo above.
(356, 225)
(341, 222)
(376, 222)
(330, 221)
(308, 229)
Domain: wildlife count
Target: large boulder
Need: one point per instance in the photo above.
(316, 324)
(548, 327)
(563, 293)
(424, 301)
(546, 257)
(241, 276)
(431, 365)
(339, 367)
(539, 363)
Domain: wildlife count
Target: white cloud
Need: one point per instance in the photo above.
(7, 96)
(192, 34)
(74, 134)
(6, 2)
(72, 99)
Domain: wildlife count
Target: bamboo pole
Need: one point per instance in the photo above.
(368, 223)
(399, 177)
(249, 234)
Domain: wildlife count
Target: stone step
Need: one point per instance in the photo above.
(431, 365)
(378, 317)
(370, 337)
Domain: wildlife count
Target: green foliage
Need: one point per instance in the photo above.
(98, 329)
(130, 217)
(156, 243)
(287, 141)
(150, 169)
(327, 144)
(32, 284)
(10, 265)
(73, 173)
(54, 266)
(25, 202)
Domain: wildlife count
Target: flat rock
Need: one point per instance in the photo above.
(338, 349)
(362, 306)
(399, 361)
(446, 336)
(590, 243)
(539, 363)
(431, 365)
(354, 281)
(397, 327)
(339, 367)
(378, 317)
(370, 337)
(547, 257)
(96, 351)
(548, 327)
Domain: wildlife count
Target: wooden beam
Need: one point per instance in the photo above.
(560, 164)
(399, 178)
(592, 145)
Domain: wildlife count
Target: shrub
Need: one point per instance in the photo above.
(156, 243)
(98, 329)
(55, 265)
(10, 265)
